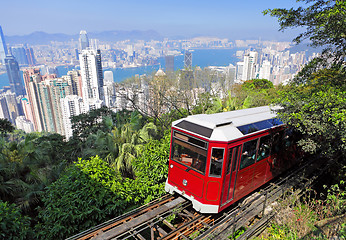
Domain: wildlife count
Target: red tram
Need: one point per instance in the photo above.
(217, 159)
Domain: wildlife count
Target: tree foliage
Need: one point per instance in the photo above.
(13, 225)
(257, 84)
(89, 193)
(317, 109)
(28, 166)
(324, 22)
(99, 119)
(151, 168)
(5, 127)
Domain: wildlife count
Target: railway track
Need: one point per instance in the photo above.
(260, 206)
(174, 218)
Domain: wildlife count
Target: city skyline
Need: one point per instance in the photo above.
(227, 19)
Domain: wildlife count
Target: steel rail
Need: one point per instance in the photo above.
(87, 234)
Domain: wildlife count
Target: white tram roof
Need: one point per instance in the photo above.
(227, 126)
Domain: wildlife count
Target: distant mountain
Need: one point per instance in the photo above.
(305, 47)
(39, 38)
(111, 36)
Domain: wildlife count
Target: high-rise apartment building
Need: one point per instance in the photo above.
(50, 91)
(24, 124)
(16, 82)
(108, 77)
(265, 70)
(9, 108)
(43, 106)
(31, 78)
(92, 75)
(240, 67)
(249, 69)
(3, 47)
(83, 40)
(12, 105)
(27, 110)
(71, 105)
(58, 89)
(74, 79)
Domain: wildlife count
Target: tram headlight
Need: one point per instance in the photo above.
(184, 182)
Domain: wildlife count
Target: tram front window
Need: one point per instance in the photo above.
(189, 154)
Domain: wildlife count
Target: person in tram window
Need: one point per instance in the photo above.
(216, 162)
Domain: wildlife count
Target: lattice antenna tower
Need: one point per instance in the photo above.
(187, 59)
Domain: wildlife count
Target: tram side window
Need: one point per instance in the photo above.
(230, 157)
(277, 142)
(248, 156)
(288, 138)
(189, 155)
(264, 148)
(216, 162)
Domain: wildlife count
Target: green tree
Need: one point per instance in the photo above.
(13, 225)
(5, 127)
(151, 169)
(324, 22)
(257, 84)
(27, 167)
(99, 119)
(130, 144)
(90, 192)
(317, 109)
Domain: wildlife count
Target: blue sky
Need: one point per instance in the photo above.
(222, 18)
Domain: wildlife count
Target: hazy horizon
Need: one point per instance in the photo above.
(223, 18)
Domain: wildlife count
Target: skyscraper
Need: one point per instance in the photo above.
(83, 40)
(14, 76)
(20, 54)
(169, 59)
(188, 60)
(92, 75)
(30, 56)
(3, 47)
(4, 113)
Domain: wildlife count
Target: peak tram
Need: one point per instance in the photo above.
(217, 159)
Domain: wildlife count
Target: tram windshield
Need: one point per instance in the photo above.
(189, 151)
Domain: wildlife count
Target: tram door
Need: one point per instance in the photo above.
(231, 174)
